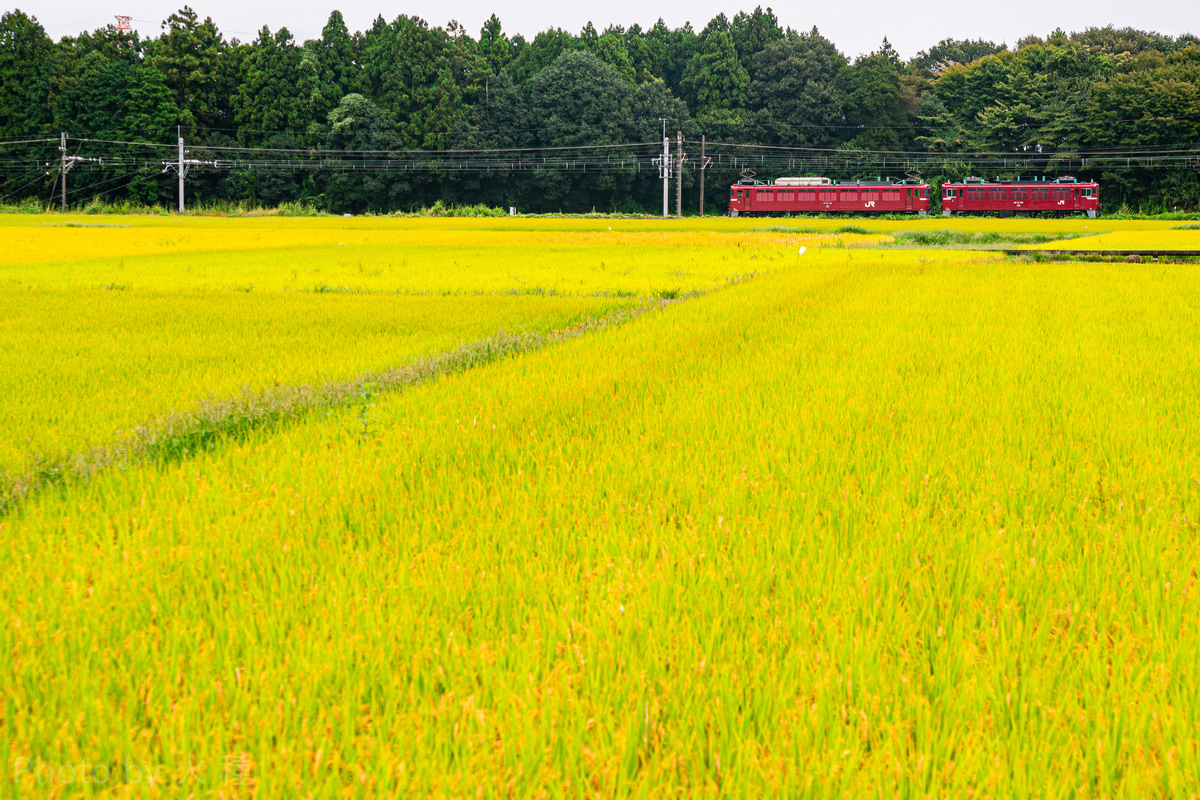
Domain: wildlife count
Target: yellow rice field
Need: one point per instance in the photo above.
(391, 255)
(1134, 240)
(80, 366)
(852, 522)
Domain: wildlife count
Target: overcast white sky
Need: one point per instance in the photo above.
(855, 26)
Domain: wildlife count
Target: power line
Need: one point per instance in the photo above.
(131, 157)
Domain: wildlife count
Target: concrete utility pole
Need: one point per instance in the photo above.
(180, 169)
(664, 166)
(665, 171)
(65, 166)
(680, 157)
(181, 166)
(704, 162)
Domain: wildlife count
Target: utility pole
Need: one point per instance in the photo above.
(664, 166)
(181, 166)
(666, 173)
(704, 162)
(63, 168)
(65, 165)
(180, 169)
(680, 157)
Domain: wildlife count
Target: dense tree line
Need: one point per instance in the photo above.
(404, 86)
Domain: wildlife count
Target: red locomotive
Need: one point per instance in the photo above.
(796, 195)
(1021, 198)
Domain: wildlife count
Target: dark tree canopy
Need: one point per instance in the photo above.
(404, 86)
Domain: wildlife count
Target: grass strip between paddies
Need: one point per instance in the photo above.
(178, 435)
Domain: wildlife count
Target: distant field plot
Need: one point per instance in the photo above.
(872, 523)
(1132, 240)
(415, 256)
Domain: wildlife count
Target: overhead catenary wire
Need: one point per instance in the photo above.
(728, 158)
(16, 192)
(795, 160)
(290, 156)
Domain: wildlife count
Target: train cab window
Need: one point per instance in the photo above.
(925, 191)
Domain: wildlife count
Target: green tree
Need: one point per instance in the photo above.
(495, 47)
(795, 99)
(681, 46)
(114, 91)
(338, 60)
(26, 54)
(949, 52)
(580, 100)
(1156, 105)
(420, 87)
(541, 53)
(611, 50)
(357, 124)
(715, 80)
(188, 57)
(588, 38)
(279, 89)
(752, 33)
(377, 45)
(871, 92)
(718, 24)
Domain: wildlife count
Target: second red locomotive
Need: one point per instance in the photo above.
(1021, 198)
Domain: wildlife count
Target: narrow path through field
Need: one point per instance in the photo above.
(181, 434)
